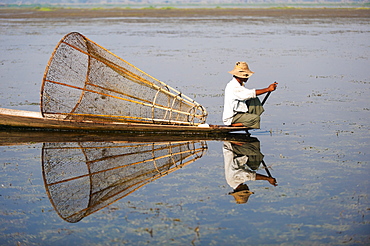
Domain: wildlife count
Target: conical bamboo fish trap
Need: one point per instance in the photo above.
(85, 81)
(82, 178)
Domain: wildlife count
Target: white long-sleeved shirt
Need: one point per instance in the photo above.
(233, 173)
(234, 101)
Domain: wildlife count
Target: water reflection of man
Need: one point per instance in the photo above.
(241, 105)
(242, 159)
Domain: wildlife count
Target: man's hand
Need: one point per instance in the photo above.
(273, 86)
(272, 181)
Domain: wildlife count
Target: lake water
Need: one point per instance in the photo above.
(314, 137)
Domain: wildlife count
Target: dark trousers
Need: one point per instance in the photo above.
(252, 118)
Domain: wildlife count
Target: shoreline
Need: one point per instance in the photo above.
(29, 13)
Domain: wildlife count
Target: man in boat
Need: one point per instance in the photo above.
(241, 105)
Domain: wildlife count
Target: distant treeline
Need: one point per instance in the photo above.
(178, 3)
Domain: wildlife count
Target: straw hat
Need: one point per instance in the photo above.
(241, 70)
(241, 194)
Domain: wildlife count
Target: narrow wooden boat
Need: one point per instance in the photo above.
(34, 120)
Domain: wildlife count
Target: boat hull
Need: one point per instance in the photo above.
(34, 120)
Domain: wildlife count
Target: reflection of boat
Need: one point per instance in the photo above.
(16, 137)
(82, 178)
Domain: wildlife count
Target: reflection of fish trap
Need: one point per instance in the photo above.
(85, 81)
(82, 178)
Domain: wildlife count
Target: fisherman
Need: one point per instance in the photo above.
(241, 105)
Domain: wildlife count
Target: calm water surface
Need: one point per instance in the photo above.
(314, 137)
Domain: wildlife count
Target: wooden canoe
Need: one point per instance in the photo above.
(35, 121)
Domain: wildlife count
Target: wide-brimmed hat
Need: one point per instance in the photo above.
(241, 70)
(241, 194)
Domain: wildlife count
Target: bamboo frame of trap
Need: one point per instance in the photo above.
(171, 113)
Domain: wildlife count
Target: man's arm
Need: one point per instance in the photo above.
(271, 87)
(271, 180)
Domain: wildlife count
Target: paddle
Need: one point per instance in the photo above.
(267, 171)
(269, 174)
(267, 96)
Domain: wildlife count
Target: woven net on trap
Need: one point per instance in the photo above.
(85, 81)
(82, 178)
